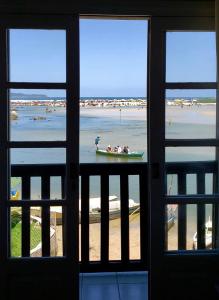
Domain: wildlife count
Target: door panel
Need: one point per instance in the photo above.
(40, 171)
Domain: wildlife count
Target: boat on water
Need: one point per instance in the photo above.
(133, 154)
(208, 236)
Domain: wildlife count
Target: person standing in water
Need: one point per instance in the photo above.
(97, 139)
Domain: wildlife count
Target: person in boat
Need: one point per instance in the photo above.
(97, 139)
(125, 149)
(119, 149)
(109, 148)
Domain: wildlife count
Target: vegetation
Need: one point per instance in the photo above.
(207, 100)
(35, 234)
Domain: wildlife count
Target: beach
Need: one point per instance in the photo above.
(115, 126)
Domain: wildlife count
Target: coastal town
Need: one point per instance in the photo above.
(117, 102)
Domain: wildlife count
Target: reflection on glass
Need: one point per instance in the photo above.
(37, 55)
(37, 115)
(190, 114)
(191, 57)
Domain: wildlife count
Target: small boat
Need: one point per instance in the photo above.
(14, 195)
(114, 209)
(208, 236)
(94, 210)
(133, 154)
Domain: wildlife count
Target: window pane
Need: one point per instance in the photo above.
(190, 219)
(184, 154)
(37, 115)
(37, 55)
(190, 114)
(191, 171)
(46, 181)
(191, 57)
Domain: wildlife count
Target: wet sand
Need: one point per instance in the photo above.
(203, 114)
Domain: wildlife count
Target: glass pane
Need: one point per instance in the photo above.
(190, 114)
(196, 169)
(113, 60)
(191, 225)
(56, 231)
(184, 154)
(15, 232)
(37, 55)
(94, 219)
(171, 227)
(134, 217)
(37, 115)
(190, 57)
(189, 231)
(45, 181)
(36, 231)
(115, 224)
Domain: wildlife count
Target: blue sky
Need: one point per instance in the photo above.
(113, 58)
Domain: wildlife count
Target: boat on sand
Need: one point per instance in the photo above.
(94, 210)
(208, 236)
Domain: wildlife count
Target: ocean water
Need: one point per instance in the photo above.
(114, 128)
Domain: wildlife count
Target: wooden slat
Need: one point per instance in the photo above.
(36, 144)
(34, 203)
(182, 213)
(112, 168)
(190, 85)
(85, 218)
(104, 218)
(45, 182)
(144, 218)
(36, 85)
(38, 170)
(191, 167)
(194, 199)
(191, 142)
(201, 212)
(124, 194)
(25, 217)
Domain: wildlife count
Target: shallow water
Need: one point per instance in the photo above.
(115, 128)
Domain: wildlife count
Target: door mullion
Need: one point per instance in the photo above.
(156, 156)
(71, 238)
(4, 152)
